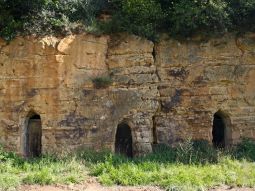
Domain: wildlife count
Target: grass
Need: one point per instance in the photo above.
(190, 166)
(185, 177)
(15, 171)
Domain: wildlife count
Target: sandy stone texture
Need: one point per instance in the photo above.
(166, 92)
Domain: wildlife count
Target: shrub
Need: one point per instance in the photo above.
(184, 152)
(196, 152)
(64, 16)
(93, 156)
(242, 14)
(46, 16)
(189, 16)
(184, 18)
(102, 82)
(204, 152)
(140, 17)
(245, 150)
(161, 153)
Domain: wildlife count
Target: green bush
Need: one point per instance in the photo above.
(92, 156)
(141, 17)
(161, 153)
(242, 14)
(245, 150)
(46, 16)
(102, 82)
(64, 16)
(182, 18)
(196, 152)
(189, 16)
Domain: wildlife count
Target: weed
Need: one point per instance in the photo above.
(102, 82)
(193, 165)
(246, 150)
(15, 170)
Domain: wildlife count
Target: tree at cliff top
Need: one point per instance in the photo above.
(46, 16)
(141, 17)
(183, 18)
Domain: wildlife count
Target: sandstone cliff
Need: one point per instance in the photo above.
(166, 92)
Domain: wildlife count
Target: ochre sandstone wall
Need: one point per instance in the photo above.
(166, 92)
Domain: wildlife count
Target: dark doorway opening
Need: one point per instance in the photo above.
(34, 136)
(219, 131)
(123, 140)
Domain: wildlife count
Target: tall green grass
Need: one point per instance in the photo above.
(15, 171)
(169, 175)
(190, 166)
(193, 165)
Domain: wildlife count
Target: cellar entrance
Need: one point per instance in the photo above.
(34, 136)
(219, 131)
(123, 140)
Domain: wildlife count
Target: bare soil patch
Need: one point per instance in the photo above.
(93, 185)
(227, 188)
(90, 185)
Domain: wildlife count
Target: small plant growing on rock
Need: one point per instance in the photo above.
(102, 82)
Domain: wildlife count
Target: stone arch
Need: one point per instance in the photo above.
(221, 130)
(124, 139)
(32, 135)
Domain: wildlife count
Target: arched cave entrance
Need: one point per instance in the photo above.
(123, 140)
(219, 131)
(33, 135)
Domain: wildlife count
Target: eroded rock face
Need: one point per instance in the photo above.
(166, 92)
(200, 78)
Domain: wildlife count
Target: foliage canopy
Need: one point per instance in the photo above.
(141, 17)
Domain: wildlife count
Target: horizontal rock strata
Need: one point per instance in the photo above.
(166, 92)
